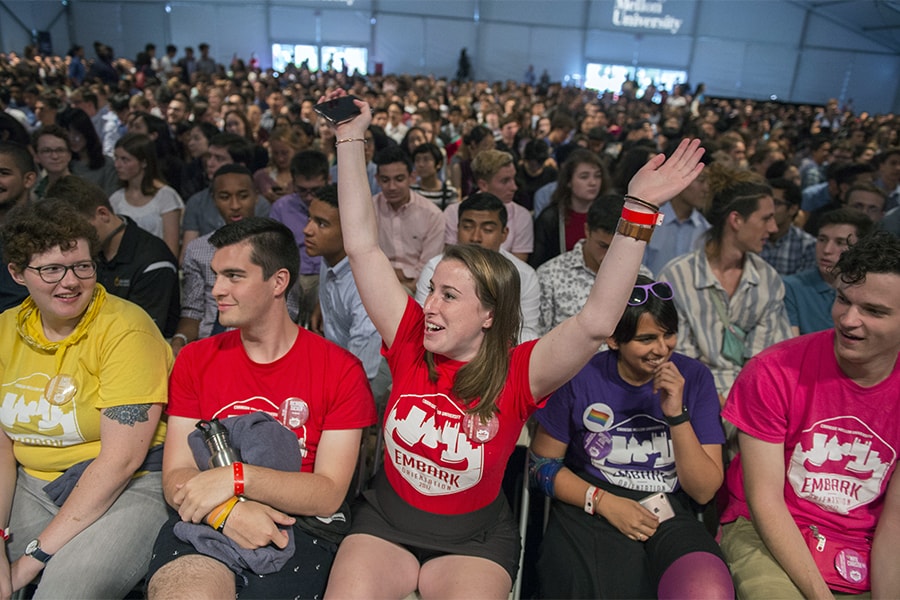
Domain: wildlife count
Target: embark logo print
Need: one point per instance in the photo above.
(839, 464)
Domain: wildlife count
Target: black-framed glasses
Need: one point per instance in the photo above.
(56, 273)
(640, 293)
(53, 151)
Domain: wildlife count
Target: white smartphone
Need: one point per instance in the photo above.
(659, 505)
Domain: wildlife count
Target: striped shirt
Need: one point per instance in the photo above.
(757, 307)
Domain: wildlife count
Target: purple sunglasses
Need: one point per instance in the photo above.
(641, 293)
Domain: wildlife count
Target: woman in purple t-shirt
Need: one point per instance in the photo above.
(623, 448)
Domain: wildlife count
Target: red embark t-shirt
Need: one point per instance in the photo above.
(429, 459)
(214, 377)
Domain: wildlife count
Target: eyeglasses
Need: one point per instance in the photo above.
(56, 273)
(306, 191)
(50, 151)
(641, 293)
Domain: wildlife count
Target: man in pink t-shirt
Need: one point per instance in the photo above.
(812, 505)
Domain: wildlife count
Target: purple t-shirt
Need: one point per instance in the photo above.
(617, 433)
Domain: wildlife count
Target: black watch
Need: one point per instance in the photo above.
(684, 417)
(33, 549)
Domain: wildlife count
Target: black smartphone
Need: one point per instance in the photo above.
(338, 110)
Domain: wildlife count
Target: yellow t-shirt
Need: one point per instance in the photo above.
(116, 356)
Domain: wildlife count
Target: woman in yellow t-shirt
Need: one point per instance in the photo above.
(83, 381)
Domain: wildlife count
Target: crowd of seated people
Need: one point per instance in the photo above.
(171, 208)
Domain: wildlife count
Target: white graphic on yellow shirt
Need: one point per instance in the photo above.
(29, 418)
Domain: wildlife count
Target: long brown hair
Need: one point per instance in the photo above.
(562, 196)
(480, 381)
(142, 148)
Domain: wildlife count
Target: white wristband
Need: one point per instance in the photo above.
(182, 337)
(589, 500)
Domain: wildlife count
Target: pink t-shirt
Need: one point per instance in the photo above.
(840, 439)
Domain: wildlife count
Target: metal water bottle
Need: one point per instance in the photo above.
(216, 437)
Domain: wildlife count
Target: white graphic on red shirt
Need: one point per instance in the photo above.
(839, 464)
(262, 404)
(428, 447)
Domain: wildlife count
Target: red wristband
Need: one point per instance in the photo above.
(238, 478)
(641, 218)
(4, 533)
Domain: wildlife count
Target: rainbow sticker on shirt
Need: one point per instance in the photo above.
(598, 417)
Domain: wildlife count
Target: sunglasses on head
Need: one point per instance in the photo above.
(640, 293)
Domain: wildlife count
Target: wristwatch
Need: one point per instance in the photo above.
(684, 417)
(33, 549)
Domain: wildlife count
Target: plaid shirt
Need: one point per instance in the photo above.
(793, 253)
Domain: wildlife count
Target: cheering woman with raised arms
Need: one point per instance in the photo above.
(435, 520)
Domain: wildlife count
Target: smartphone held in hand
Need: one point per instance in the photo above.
(338, 110)
(659, 505)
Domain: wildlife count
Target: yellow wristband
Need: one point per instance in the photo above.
(218, 521)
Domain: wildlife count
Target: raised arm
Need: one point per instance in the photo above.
(567, 348)
(382, 294)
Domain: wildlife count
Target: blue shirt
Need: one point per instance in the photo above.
(543, 196)
(344, 319)
(815, 196)
(673, 238)
(808, 299)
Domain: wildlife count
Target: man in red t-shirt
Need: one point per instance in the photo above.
(267, 363)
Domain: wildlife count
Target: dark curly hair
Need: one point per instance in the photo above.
(33, 229)
(878, 252)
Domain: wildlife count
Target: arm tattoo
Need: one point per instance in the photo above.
(128, 414)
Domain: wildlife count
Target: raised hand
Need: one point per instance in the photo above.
(660, 179)
(355, 127)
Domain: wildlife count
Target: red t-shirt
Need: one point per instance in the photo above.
(214, 377)
(575, 228)
(429, 459)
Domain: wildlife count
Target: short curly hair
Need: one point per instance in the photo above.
(33, 229)
(878, 252)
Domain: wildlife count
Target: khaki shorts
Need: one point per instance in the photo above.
(756, 573)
